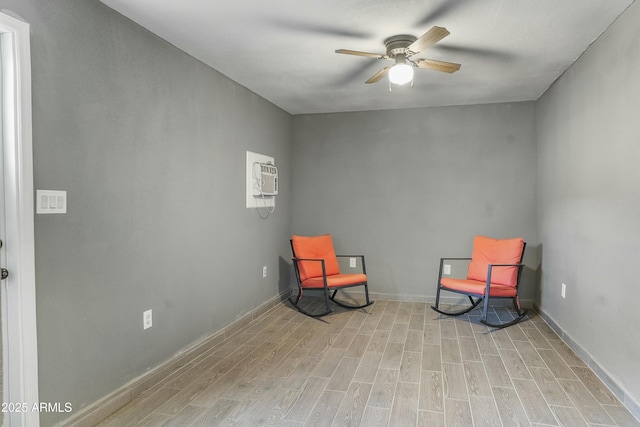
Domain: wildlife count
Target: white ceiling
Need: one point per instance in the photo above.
(283, 50)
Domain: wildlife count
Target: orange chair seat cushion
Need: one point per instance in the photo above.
(493, 251)
(477, 287)
(315, 247)
(335, 281)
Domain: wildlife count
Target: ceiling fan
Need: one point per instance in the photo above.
(400, 49)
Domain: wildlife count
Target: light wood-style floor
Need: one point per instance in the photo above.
(393, 364)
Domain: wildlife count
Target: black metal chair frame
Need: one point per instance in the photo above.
(484, 296)
(329, 292)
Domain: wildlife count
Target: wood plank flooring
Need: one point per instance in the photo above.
(393, 364)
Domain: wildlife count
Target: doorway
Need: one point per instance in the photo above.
(19, 339)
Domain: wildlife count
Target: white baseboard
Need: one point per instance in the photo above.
(604, 376)
(102, 408)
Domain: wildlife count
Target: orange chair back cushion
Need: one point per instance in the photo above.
(316, 247)
(492, 251)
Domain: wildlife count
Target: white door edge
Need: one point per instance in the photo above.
(22, 352)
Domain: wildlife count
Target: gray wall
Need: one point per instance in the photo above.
(408, 187)
(589, 201)
(150, 146)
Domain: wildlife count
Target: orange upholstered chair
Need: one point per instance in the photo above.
(316, 266)
(495, 270)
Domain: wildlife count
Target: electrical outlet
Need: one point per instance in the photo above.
(352, 262)
(446, 269)
(264, 271)
(147, 319)
(563, 290)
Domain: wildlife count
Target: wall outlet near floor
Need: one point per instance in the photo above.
(147, 319)
(352, 262)
(446, 269)
(563, 290)
(264, 271)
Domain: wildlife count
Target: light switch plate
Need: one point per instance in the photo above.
(51, 202)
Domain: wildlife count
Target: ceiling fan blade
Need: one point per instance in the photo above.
(355, 73)
(321, 29)
(445, 8)
(434, 64)
(377, 76)
(501, 55)
(359, 53)
(428, 39)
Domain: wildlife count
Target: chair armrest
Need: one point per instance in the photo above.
(307, 259)
(505, 265)
(320, 260)
(459, 259)
(490, 267)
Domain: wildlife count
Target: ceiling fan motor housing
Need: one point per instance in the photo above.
(398, 44)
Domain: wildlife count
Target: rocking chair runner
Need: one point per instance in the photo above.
(316, 266)
(494, 272)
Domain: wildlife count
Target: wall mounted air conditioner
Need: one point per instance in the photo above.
(268, 180)
(261, 181)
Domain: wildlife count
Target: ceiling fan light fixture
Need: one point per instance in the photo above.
(401, 73)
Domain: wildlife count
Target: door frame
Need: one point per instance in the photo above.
(20, 289)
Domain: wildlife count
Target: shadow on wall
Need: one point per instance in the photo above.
(529, 290)
(286, 280)
(529, 285)
(537, 297)
(531, 277)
